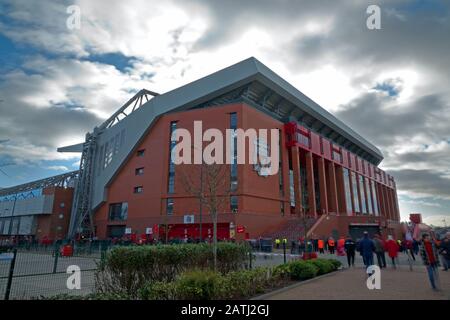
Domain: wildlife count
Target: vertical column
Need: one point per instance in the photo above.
(322, 186)
(333, 205)
(311, 187)
(397, 210)
(391, 203)
(295, 160)
(371, 194)
(341, 190)
(352, 195)
(383, 201)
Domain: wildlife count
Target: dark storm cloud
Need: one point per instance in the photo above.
(423, 182)
(44, 127)
(376, 117)
(411, 32)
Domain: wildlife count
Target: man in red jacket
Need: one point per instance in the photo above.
(430, 259)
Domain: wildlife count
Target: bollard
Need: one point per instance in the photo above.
(250, 257)
(284, 251)
(55, 263)
(10, 276)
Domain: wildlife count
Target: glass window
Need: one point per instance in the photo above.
(172, 144)
(118, 211)
(363, 198)
(336, 156)
(233, 149)
(375, 198)
(234, 204)
(303, 139)
(291, 188)
(355, 192)
(169, 206)
(348, 196)
(140, 153)
(138, 189)
(282, 208)
(369, 197)
(139, 171)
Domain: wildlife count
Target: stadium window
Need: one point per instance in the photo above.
(169, 206)
(140, 153)
(139, 171)
(234, 204)
(118, 211)
(138, 189)
(233, 149)
(172, 143)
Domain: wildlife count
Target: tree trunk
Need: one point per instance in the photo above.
(215, 240)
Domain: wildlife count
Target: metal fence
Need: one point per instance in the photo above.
(33, 274)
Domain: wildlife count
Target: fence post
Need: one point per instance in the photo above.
(10, 275)
(284, 251)
(55, 262)
(250, 257)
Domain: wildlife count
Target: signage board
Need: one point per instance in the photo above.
(188, 218)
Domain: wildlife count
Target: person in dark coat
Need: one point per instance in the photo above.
(444, 251)
(367, 248)
(350, 248)
(379, 250)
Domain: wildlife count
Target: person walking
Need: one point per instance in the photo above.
(321, 245)
(430, 259)
(379, 250)
(350, 248)
(341, 246)
(277, 243)
(367, 248)
(331, 245)
(292, 247)
(392, 249)
(444, 251)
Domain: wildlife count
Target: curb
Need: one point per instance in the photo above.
(292, 286)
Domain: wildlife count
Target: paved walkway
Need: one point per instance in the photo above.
(350, 284)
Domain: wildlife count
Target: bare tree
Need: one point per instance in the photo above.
(212, 191)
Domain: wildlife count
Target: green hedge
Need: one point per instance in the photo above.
(209, 285)
(124, 270)
(242, 284)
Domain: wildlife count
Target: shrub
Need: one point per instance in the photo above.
(336, 263)
(158, 290)
(124, 270)
(323, 266)
(282, 271)
(301, 270)
(198, 285)
(246, 283)
(209, 285)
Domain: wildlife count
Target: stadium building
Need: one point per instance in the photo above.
(328, 182)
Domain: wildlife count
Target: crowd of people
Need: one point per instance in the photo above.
(433, 252)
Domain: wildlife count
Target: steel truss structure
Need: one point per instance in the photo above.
(81, 221)
(25, 190)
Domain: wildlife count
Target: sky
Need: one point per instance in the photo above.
(391, 85)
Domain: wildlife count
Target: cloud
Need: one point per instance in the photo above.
(57, 168)
(390, 85)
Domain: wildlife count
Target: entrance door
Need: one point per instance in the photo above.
(357, 232)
